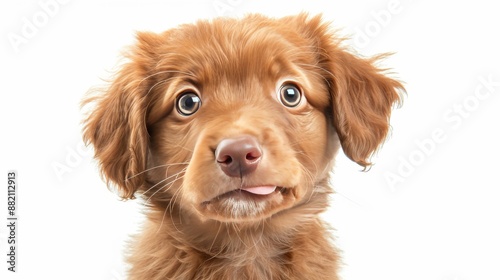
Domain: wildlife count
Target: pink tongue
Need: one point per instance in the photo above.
(261, 190)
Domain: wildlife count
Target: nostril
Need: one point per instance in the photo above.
(225, 159)
(252, 156)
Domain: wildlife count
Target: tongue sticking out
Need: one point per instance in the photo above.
(261, 190)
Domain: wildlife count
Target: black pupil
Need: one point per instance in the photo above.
(291, 95)
(189, 103)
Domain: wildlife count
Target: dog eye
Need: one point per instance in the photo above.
(290, 95)
(188, 103)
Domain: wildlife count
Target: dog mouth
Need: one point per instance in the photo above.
(254, 192)
(248, 203)
(260, 192)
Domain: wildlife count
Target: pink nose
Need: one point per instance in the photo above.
(238, 156)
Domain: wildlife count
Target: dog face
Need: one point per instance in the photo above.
(238, 120)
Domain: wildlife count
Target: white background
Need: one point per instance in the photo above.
(438, 220)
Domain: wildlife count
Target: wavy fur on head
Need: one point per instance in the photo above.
(287, 93)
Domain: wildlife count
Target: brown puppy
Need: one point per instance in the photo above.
(227, 129)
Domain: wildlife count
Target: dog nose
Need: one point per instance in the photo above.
(238, 156)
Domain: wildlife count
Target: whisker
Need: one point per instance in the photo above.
(164, 72)
(170, 202)
(171, 205)
(169, 183)
(158, 83)
(320, 68)
(163, 180)
(184, 148)
(152, 168)
(213, 241)
(346, 197)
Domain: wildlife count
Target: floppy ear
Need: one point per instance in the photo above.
(362, 100)
(362, 96)
(116, 126)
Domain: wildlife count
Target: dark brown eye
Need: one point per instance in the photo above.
(188, 103)
(290, 95)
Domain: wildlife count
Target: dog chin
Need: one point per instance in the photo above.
(254, 205)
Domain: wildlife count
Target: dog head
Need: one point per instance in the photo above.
(238, 120)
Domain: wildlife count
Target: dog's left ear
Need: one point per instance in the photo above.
(362, 100)
(362, 96)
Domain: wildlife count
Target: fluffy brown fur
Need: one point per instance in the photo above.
(201, 223)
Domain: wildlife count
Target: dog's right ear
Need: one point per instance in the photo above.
(116, 124)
